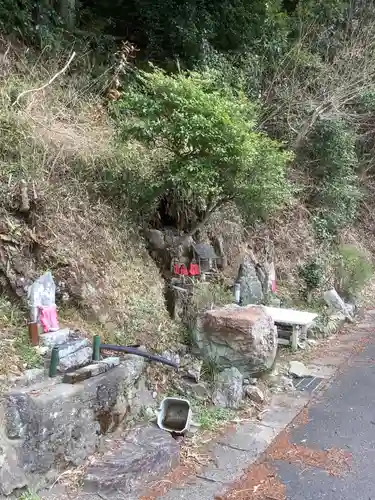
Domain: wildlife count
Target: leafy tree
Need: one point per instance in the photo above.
(170, 29)
(215, 152)
(39, 23)
(333, 165)
(354, 269)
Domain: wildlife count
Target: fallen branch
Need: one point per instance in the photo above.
(25, 202)
(25, 92)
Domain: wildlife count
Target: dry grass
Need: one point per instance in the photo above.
(58, 140)
(16, 352)
(105, 268)
(290, 238)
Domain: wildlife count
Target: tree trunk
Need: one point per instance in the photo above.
(309, 123)
(67, 10)
(210, 210)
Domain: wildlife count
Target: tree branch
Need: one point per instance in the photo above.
(25, 202)
(309, 124)
(210, 210)
(25, 92)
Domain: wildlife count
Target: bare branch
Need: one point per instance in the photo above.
(210, 210)
(25, 92)
(25, 202)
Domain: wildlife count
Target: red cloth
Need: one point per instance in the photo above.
(176, 268)
(183, 270)
(194, 269)
(48, 318)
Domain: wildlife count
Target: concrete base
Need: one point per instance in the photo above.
(51, 426)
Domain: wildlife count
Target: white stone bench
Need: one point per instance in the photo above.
(298, 320)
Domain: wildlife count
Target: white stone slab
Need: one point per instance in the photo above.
(290, 316)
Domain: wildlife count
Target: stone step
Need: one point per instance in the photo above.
(51, 339)
(73, 354)
(75, 359)
(92, 370)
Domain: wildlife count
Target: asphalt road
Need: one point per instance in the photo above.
(342, 418)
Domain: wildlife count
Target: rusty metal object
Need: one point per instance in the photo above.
(34, 334)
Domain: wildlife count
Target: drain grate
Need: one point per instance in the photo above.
(309, 384)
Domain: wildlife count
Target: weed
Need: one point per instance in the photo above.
(29, 495)
(211, 418)
(11, 315)
(354, 269)
(28, 355)
(14, 341)
(206, 295)
(188, 336)
(210, 369)
(325, 326)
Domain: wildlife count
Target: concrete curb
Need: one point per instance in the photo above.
(236, 451)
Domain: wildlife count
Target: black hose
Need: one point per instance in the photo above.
(137, 352)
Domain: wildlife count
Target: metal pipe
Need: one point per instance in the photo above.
(96, 348)
(137, 352)
(54, 362)
(34, 334)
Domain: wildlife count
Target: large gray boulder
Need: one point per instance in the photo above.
(145, 454)
(241, 337)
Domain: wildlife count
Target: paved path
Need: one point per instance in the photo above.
(331, 455)
(337, 431)
(343, 419)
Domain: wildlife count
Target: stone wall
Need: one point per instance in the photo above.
(50, 426)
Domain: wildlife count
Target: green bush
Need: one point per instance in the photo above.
(38, 23)
(312, 274)
(333, 164)
(353, 271)
(170, 29)
(216, 153)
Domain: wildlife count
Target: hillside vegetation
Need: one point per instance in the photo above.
(253, 121)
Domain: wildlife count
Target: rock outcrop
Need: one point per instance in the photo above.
(240, 337)
(250, 285)
(121, 473)
(228, 391)
(51, 425)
